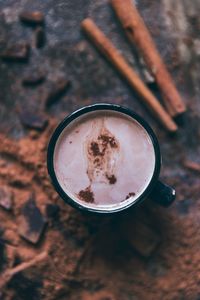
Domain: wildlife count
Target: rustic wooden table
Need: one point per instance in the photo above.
(146, 253)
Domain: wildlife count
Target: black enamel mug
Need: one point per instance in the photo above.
(155, 190)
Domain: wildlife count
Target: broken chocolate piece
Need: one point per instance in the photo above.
(33, 77)
(32, 222)
(17, 52)
(32, 17)
(40, 37)
(32, 120)
(6, 198)
(58, 89)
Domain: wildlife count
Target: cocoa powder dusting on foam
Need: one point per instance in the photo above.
(94, 147)
(111, 178)
(86, 195)
(108, 140)
(99, 147)
(102, 155)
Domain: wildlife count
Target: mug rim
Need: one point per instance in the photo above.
(84, 110)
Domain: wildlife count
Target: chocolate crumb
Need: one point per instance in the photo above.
(86, 195)
(130, 195)
(33, 120)
(112, 179)
(70, 142)
(58, 89)
(17, 52)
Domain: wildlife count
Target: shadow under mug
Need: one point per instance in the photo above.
(156, 190)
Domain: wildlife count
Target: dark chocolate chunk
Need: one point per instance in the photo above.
(32, 17)
(17, 52)
(32, 222)
(33, 120)
(144, 238)
(57, 90)
(6, 198)
(40, 37)
(33, 77)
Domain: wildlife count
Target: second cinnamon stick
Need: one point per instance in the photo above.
(138, 33)
(113, 55)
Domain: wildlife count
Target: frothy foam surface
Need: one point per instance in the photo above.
(104, 159)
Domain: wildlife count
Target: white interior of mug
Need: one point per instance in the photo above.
(120, 176)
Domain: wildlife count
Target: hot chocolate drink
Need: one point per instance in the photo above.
(104, 159)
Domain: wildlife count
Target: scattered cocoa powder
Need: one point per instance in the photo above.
(86, 195)
(32, 17)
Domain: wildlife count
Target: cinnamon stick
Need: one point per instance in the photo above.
(138, 34)
(111, 53)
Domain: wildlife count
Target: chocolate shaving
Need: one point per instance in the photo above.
(86, 195)
(108, 140)
(95, 149)
(17, 52)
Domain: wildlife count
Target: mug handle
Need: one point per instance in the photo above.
(163, 194)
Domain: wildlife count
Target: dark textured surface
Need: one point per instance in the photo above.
(103, 265)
